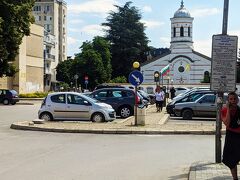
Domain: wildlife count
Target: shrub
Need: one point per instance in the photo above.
(34, 95)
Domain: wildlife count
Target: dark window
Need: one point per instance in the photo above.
(60, 98)
(181, 31)
(208, 99)
(181, 69)
(74, 99)
(101, 94)
(189, 33)
(174, 32)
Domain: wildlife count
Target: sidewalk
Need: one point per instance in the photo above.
(155, 123)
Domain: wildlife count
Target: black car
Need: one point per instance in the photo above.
(8, 96)
(121, 99)
(188, 98)
(101, 86)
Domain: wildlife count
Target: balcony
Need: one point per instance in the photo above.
(50, 57)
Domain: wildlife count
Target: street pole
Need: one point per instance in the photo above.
(76, 85)
(218, 143)
(135, 114)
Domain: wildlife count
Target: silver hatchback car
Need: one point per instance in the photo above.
(75, 106)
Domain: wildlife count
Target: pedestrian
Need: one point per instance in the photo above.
(172, 91)
(231, 118)
(159, 94)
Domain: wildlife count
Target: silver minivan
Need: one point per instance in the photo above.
(75, 106)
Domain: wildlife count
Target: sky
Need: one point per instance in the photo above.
(85, 17)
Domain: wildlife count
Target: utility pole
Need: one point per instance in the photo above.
(218, 143)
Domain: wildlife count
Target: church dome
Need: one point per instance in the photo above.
(182, 12)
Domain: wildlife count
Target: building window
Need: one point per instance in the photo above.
(50, 18)
(189, 33)
(206, 77)
(181, 69)
(39, 18)
(45, 18)
(37, 8)
(181, 31)
(174, 32)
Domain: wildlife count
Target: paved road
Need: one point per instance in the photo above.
(27, 155)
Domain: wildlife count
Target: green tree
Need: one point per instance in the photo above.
(94, 61)
(128, 41)
(15, 20)
(64, 73)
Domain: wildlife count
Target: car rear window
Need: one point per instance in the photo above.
(60, 98)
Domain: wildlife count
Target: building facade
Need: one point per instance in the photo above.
(29, 63)
(186, 65)
(52, 15)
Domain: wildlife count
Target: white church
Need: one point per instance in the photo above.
(186, 65)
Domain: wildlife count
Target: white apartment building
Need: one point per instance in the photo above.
(51, 14)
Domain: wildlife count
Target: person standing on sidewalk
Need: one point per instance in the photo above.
(159, 94)
(172, 91)
(231, 118)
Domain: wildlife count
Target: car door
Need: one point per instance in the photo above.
(116, 98)
(206, 106)
(58, 105)
(77, 107)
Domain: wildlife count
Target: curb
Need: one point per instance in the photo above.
(149, 131)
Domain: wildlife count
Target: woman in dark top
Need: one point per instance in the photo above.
(231, 118)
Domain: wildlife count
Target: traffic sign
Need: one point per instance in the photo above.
(86, 81)
(75, 76)
(224, 58)
(135, 78)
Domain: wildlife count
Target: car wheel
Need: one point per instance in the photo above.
(187, 114)
(13, 103)
(125, 112)
(98, 117)
(5, 101)
(46, 116)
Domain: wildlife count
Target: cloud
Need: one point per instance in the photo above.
(94, 30)
(75, 21)
(94, 6)
(147, 9)
(73, 30)
(152, 24)
(72, 41)
(205, 12)
(203, 46)
(165, 41)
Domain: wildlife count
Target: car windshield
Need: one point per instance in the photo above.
(13, 91)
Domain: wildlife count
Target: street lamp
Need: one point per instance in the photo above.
(136, 66)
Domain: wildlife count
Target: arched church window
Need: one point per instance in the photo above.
(189, 33)
(174, 32)
(206, 78)
(181, 31)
